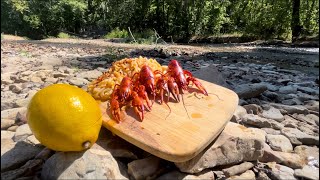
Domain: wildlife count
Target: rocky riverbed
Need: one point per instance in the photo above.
(274, 133)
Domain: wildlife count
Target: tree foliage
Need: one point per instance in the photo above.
(171, 18)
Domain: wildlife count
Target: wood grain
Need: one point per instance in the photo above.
(184, 132)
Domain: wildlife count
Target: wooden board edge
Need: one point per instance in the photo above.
(167, 156)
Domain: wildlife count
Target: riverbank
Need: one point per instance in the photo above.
(275, 129)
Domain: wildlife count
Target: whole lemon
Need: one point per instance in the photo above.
(64, 118)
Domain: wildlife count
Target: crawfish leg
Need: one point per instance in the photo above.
(198, 85)
(139, 110)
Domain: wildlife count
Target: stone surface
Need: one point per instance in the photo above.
(18, 154)
(239, 113)
(7, 134)
(22, 132)
(250, 90)
(248, 175)
(297, 137)
(184, 176)
(279, 143)
(234, 145)
(90, 164)
(281, 172)
(206, 74)
(273, 113)
(261, 122)
(271, 131)
(144, 168)
(307, 172)
(237, 169)
(289, 159)
(291, 109)
(253, 109)
(309, 153)
(6, 123)
(12, 113)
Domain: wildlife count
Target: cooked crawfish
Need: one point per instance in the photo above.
(125, 92)
(146, 82)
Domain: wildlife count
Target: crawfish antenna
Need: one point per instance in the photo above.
(185, 106)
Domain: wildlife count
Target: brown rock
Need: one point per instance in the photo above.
(144, 168)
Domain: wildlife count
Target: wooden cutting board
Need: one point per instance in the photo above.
(184, 132)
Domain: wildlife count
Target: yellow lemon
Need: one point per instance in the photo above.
(64, 118)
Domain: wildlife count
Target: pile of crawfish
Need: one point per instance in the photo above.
(136, 89)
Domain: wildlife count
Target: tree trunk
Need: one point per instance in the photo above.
(295, 22)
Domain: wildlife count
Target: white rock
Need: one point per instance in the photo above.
(22, 133)
(144, 168)
(273, 113)
(292, 160)
(297, 137)
(6, 123)
(281, 172)
(279, 143)
(248, 175)
(90, 164)
(12, 113)
(235, 144)
(307, 172)
(184, 176)
(261, 122)
(7, 134)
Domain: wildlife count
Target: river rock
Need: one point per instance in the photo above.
(235, 144)
(22, 133)
(273, 113)
(279, 143)
(281, 172)
(7, 134)
(309, 153)
(89, 75)
(253, 109)
(314, 118)
(237, 169)
(248, 175)
(12, 113)
(312, 105)
(184, 176)
(271, 131)
(90, 164)
(288, 89)
(19, 154)
(289, 122)
(6, 123)
(304, 118)
(289, 159)
(308, 90)
(78, 81)
(239, 113)
(206, 74)
(250, 90)
(291, 109)
(261, 122)
(144, 168)
(307, 172)
(297, 137)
